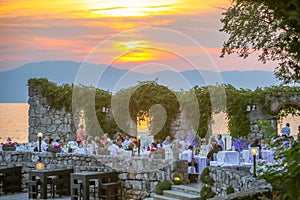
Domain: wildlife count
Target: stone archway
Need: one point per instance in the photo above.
(277, 102)
(143, 123)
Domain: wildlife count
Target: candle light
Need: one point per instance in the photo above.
(39, 165)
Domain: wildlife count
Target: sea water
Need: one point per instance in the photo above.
(14, 122)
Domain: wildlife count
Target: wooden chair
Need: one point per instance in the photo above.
(77, 190)
(110, 188)
(60, 187)
(34, 188)
(111, 191)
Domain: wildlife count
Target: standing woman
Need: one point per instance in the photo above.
(220, 141)
(80, 133)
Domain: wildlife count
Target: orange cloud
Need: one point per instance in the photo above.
(70, 29)
(105, 8)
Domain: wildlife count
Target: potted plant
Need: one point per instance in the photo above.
(55, 148)
(9, 146)
(158, 154)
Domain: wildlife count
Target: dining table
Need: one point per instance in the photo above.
(228, 157)
(85, 178)
(202, 163)
(45, 174)
(267, 155)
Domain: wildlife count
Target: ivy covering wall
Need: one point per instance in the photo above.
(145, 95)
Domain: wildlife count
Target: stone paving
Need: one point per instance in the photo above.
(21, 196)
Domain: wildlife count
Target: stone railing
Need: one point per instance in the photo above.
(244, 184)
(139, 175)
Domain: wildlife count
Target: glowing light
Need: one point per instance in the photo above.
(132, 8)
(254, 151)
(136, 51)
(39, 166)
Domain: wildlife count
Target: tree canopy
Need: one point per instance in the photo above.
(270, 28)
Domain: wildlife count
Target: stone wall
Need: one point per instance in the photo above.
(58, 124)
(139, 175)
(240, 179)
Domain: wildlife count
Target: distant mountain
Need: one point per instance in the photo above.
(13, 83)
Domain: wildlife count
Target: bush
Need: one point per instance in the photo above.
(284, 175)
(205, 171)
(205, 178)
(206, 193)
(229, 189)
(161, 186)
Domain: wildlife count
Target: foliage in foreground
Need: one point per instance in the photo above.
(284, 176)
(268, 28)
(206, 192)
(205, 178)
(161, 186)
(229, 189)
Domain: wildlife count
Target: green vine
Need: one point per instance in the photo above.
(147, 94)
(59, 97)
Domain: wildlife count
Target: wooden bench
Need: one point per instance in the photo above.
(10, 178)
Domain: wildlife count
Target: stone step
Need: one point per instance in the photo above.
(161, 197)
(181, 195)
(186, 189)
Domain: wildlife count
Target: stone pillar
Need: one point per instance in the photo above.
(255, 116)
(57, 124)
(180, 170)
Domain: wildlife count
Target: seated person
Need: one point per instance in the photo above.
(131, 146)
(45, 144)
(293, 143)
(127, 141)
(113, 148)
(57, 142)
(153, 147)
(191, 159)
(215, 149)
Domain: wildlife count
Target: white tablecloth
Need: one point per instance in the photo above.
(201, 161)
(266, 155)
(228, 157)
(246, 155)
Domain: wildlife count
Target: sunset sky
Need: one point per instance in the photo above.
(117, 32)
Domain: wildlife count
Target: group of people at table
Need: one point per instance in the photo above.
(94, 145)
